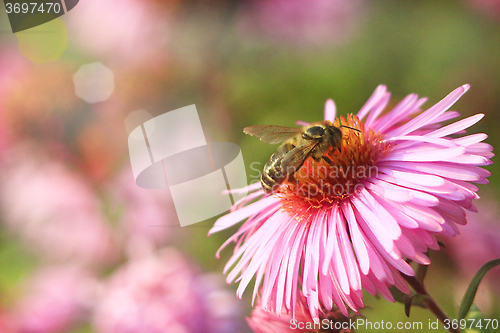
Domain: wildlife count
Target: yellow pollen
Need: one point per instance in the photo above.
(319, 184)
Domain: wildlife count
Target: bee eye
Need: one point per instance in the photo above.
(314, 132)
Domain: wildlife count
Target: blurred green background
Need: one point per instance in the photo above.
(242, 63)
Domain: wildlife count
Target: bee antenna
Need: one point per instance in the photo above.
(355, 129)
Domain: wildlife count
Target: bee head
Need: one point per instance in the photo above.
(335, 137)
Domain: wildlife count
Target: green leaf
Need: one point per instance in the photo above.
(419, 300)
(398, 295)
(415, 299)
(475, 314)
(408, 301)
(470, 293)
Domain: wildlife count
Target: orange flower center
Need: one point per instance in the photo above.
(337, 176)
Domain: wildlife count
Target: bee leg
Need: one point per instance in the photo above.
(327, 159)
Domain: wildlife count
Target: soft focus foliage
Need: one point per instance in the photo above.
(73, 224)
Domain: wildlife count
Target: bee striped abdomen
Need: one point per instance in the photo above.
(273, 174)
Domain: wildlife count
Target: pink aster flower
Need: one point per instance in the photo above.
(349, 225)
(262, 321)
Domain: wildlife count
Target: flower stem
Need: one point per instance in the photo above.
(429, 301)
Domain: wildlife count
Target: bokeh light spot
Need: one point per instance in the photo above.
(94, 82)
(44, 43)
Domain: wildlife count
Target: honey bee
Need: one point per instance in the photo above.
(297, 145)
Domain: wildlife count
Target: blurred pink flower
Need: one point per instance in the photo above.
(56, 299)
(302, 22)
(32, 106)
(263, 321)
(6, 322)
(489, 8)
(147, 215)
(164, 293)
(478, 244)
(402, 181)
(56, 213)
(123, 31)
(13, 69)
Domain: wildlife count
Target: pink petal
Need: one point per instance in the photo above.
(446, 116)
(331, 241)
(302, 123)
(348, 257)
(403, 115)
(367, 284)
(470, 159)
(415, 139)
(293, 269)
(231, 219)
(426, 218)
(470, 139)
(429, 155)
(443, 169)
(457, 126)
(415, 178)
(400, 283)
(377, 109)
(259, 258)
(397, 113)
(395, 210)
(330, 110)
(339, 262)
(245, 200)
(357, 238)
(311, 265)
(374, 99)
(447, 190)
(372, 226)
(389, 191)
(431, 113)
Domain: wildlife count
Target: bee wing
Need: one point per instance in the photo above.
(272, 134)
(297, 156)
